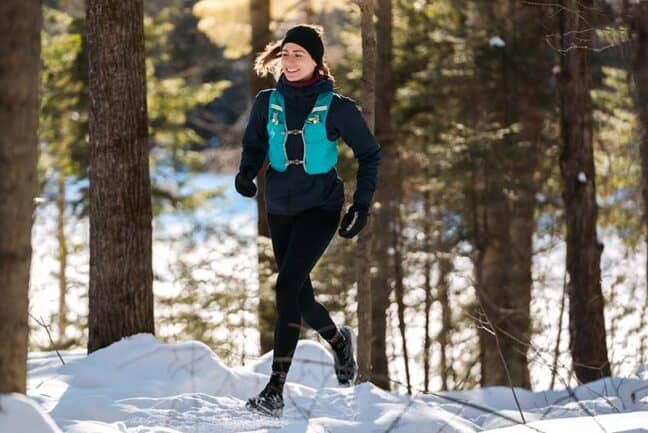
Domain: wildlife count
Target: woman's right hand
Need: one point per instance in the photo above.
(243, 182)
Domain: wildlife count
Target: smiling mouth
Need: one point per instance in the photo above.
(292, 72)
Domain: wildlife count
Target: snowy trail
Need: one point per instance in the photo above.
(141, 385)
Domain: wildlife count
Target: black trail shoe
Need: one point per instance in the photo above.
(268, 402)
(345, 363)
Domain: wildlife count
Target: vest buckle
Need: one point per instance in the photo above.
(293, 131)
(294, 162)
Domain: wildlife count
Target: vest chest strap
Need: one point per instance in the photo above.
(320, 153)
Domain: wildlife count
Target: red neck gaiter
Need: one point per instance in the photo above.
(304, 83)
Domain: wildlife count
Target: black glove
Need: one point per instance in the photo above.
(354, 220)
(243, 182)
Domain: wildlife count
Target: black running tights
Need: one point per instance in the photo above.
(298, 242)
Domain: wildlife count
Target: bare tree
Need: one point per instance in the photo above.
(586, 303)
(21, 22)
(121, 275)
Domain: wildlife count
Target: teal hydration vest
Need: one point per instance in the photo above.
(320, 153)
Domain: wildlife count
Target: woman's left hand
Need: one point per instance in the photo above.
(354, 220)
(243, 182)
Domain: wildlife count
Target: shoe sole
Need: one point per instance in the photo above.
(254, 406)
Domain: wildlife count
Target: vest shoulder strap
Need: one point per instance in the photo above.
(323, 102)
(276, 100)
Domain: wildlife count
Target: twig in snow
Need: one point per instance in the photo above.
(42, 323)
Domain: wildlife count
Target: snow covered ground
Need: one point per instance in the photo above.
(140, 385)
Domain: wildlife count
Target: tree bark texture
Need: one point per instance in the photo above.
(20, 21)
(381, 281)
(586, 317)
(121, 276)
(640, 75)
(267, 311)
(363, 263)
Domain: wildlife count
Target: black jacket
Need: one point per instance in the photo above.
(293, 191)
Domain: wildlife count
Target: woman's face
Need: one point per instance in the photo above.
(296, 63)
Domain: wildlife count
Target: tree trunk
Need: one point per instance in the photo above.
(445, 266)
(260, 23)
(384, 209)
(640, 75)
(309, 11)
(62, 255)
(554, 365)
(267, 311)
(508, 225)
(492, 286)
(121, 275)
(427, 285)
(369, 61)
(363, 263)
(399, 290)
(495, 243)
(21, 23)
(495, 256)
(383, 80)
(519, 323)
(380, 289)
(586, 304)
(529, 40)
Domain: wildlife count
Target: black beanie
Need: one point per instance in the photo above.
(308, 38)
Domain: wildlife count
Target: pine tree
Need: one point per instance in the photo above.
(365, 334)
(586, 317)
(386, 192)
(639, 29)
(121, 276)
(19, 101)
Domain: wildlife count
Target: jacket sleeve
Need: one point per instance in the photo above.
(255, 137)
(350, 124)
